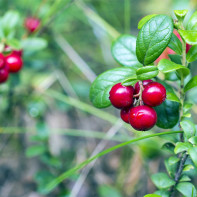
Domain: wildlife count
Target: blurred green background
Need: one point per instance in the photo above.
(48, 124)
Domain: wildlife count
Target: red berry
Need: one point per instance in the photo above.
(142, 118)
(2, 60)
(137, 85)
(124, 114)
(154, 94)
(17, 52)
(14, 63)
(121, 96)
(32, 24)
(4, 74)
(188, 46)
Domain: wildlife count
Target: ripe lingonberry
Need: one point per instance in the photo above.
(121, 96)
(4, 74)
(17, 52)
(154, 94)
(137, 85)
(32, 24)
(124, 114)
(142, 118)
(14, 63)
(2, 60)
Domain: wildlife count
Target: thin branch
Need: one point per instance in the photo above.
(101, 145)
(75, 58)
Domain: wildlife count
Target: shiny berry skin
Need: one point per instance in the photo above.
(121, 96)
(4, 74)
(17, 52)
(14, 62)
(2, 60)
(124, 114)
(154, 94)
(137, 85)
(32, 24)
(142, 118)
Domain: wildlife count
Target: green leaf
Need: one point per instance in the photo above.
(180, 14)
(169, 147)
(188, 167)
(182, 146)
(193, 140)
(191, 84)
(192, 54)
(100, 88)
(193, 154)
(192, 23)
(189, 36)
(187, 107)
(167, 114)
(130, 81)
(188, 128)
(187, 189)
(167, 66)
(162, 193)
(10, 19)
(172, 160)
(162, 181)
(124, 51)
(153, 38)
(171, 169)
(34, 44)
(13, 43)
(147, 72)
(106, 191)
(144, 20)
(152, 195)
(175, 58)
(184, 178)
(175, 44)
(35, 151)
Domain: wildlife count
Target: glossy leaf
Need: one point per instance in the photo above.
(180, 14)
(99, 91)
(162, 181)
(187, 107)
(184, 178)
(171, 168)
(130, 81)
(152, 195)
(167, 114)
(188, 128)
(167, 66)
(192, 54)
(175, 44)
(172, 160)
(182, 146)
(193, 140)
(105, 190)
(189, 36)
(192, 23)
(193, 154)
(153, 38)
(124, 51)
(175, 58)
(188, 167)
(144, 20)
(35, 150)
(13, 43)
(162, 193)
(169, 147)
(191, 84)
(147, 72)
(10, 19)
(187, 189)
(34, 44)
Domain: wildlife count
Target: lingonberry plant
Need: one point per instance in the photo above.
(157, 64)
(150, 92)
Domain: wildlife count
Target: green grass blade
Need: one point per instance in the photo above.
(68, 173)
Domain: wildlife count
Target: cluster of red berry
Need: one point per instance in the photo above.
(136, 103)
(10, 63)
